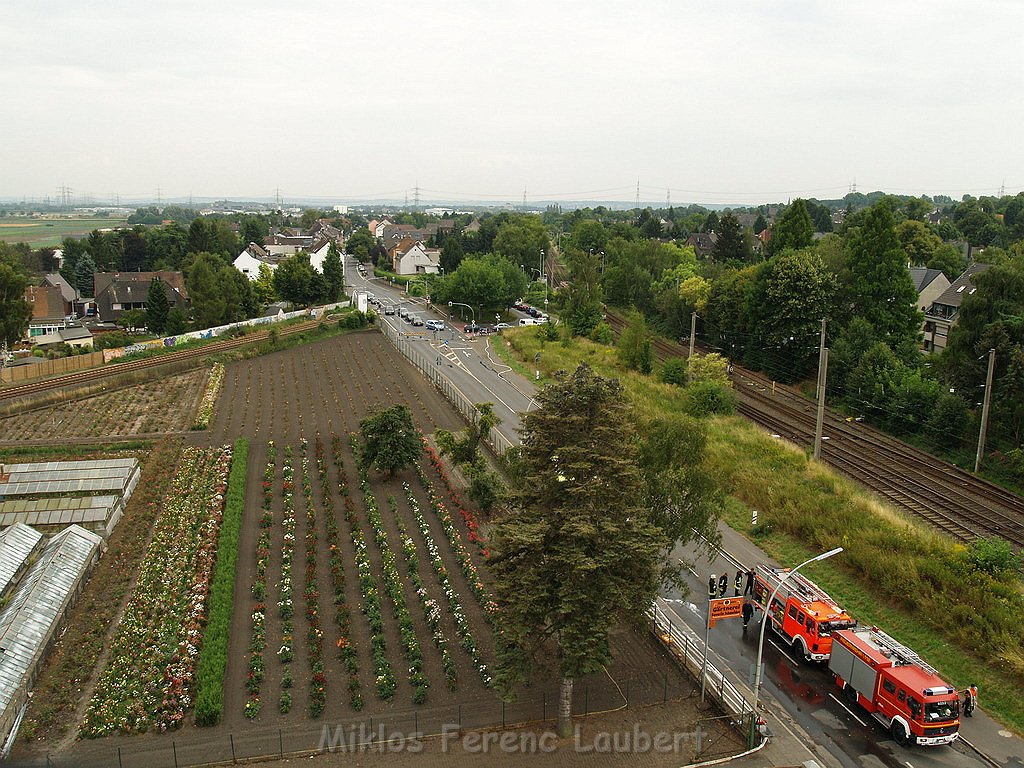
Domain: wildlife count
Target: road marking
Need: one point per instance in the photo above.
(777, 647)
(854, 716)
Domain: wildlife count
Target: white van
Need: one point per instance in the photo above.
(528, 321)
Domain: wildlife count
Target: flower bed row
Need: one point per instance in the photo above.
(393, 586)
(285, 589)
(311, 596)
(462, 625)
(149, 677)
(468, 517)
(213, 658)
(342, 614)
(213, 386)
(383, 675)
(431, 608)
(469, 570)
(258, 635)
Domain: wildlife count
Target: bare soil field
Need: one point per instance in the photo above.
(370, 592)
(158, 407)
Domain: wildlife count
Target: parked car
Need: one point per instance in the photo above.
(416, 320)
(403, 313)
(471, 328)
(527, 321)
(502, 326)
(434, 325)
(533, 312)
(389, 309)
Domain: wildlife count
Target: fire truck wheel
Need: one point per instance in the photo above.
(800, 649)
(899, 734)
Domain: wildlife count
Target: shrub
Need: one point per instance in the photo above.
(707, 397)
(674, 371)
(213, 657)
(602, 333)
(994, 556)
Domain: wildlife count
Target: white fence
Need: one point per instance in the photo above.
(690, 650)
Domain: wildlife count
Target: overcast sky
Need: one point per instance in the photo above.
(721, 102)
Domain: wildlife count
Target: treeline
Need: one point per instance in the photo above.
(763, 306)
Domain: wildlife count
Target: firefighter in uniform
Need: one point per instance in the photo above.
(970, 700)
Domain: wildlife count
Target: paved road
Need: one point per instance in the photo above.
(464, 359)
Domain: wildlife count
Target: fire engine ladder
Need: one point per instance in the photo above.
(798, 583)
(900, 651)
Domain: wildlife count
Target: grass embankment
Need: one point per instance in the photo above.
(213, 657)
(919, 586)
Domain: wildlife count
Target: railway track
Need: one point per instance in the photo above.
(79, 378)
(943, 495)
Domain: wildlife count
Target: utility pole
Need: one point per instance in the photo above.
(524, 200)
(820, 422)
(693, 332)
(984, 409)
(638, 197)
(416, 197)
(821, 353)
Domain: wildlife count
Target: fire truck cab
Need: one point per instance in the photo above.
(896, 687)
(802, 612)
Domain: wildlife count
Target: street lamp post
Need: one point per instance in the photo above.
(765, 618)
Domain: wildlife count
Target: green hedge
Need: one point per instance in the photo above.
(213, 657)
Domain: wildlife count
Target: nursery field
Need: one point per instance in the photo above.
(161, 406)
(359, 600)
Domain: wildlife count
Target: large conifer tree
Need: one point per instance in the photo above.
(579, 552)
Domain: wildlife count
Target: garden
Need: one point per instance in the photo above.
(160, 406)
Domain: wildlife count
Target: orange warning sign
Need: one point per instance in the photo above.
(726, 608)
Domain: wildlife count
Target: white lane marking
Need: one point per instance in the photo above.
(850, 711)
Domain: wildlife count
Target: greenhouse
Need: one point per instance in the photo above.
(98, 514)
(36, 613)
(17, 543)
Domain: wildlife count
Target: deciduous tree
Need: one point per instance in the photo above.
(794, 229)
(389, 439)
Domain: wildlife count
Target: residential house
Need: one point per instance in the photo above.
(703, 243)
(72, 335)
(117, 292)
(416, 259)
(930, 284)
(472, 228)
(378, 230)
(318, 252)
(51, 309)
(944, 311)
(285, 244)
(249, 261)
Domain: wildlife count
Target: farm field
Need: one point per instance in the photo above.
(45, 233)
(358, 600)
(161, 406)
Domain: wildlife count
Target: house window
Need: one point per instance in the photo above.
(116, 307)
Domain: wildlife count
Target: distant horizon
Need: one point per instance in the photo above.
(512, 204)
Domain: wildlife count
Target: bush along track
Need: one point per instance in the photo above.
(311, 595)
(462, 625)
(148, 680)
(393, 586)
(258, 636)
(431, 608)
(213, 658)
(210, 395)
(342, 614)
(383, 675)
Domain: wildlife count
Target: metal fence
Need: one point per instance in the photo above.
(420, 354)
(393, 731)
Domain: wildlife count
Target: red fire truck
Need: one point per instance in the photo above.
(896, 686)
(802, 612)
